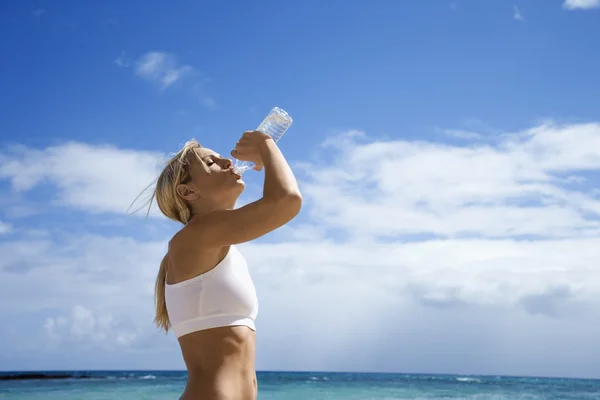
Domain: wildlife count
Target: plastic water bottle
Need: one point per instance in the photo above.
(275, 124)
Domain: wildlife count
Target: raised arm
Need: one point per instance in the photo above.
(280, 203)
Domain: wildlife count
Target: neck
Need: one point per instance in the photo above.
(205, 206)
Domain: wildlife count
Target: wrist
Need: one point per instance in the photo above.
(264, 142)
(265, 147)
(264, 136)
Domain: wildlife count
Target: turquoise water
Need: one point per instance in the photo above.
(130, 385)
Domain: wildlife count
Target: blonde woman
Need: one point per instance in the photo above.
(204, 292)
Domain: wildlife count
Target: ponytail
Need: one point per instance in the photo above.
(162, 316)
(174, 207)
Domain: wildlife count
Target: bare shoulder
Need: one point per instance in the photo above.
(187, 257)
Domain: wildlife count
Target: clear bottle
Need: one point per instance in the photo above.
(275, 124)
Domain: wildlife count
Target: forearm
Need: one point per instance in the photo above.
(279, 179)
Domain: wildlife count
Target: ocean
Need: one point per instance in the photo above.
(164, 385)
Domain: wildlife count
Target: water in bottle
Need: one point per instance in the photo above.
(276, 123)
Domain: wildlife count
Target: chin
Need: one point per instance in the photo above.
(240, 184)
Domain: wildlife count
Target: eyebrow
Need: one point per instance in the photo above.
(210, 156)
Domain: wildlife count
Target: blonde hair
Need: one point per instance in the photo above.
(174, 207)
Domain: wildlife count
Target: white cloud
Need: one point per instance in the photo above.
(70, 268)
(425, 296)
(82, 326)
(430, 245)
(91, 178)
(164, 70)
(515, 187)
(581, 4)
(461, 134)
(5, 228)
(517, 15)
(161, 68)
(83, 292)
(106, 180)
(436, 273)
(122, 61)
(96, 292)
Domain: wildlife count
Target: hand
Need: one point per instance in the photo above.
(247, 148)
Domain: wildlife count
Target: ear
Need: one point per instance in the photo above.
(187, 193)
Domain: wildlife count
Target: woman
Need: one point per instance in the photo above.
(204, 291)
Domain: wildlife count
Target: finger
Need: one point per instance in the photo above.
(240, 150)
(243, 142)
(241, 155)
(243, 147)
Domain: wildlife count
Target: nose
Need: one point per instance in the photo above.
(228, 163)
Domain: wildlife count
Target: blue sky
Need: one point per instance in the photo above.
(446, 150)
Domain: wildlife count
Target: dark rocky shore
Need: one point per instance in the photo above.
(25, 376)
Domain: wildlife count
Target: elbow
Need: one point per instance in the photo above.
(291, 204)
(296, 200)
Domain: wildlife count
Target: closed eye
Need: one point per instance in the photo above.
(208, 161)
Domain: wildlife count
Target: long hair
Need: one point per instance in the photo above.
(173, 207)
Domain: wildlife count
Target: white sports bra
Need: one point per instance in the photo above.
(223, 296)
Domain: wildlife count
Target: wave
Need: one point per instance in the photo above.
(465, 379)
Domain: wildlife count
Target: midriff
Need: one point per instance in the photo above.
(220, 364)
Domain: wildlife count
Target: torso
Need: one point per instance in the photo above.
(220, 360)
(220, 364)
